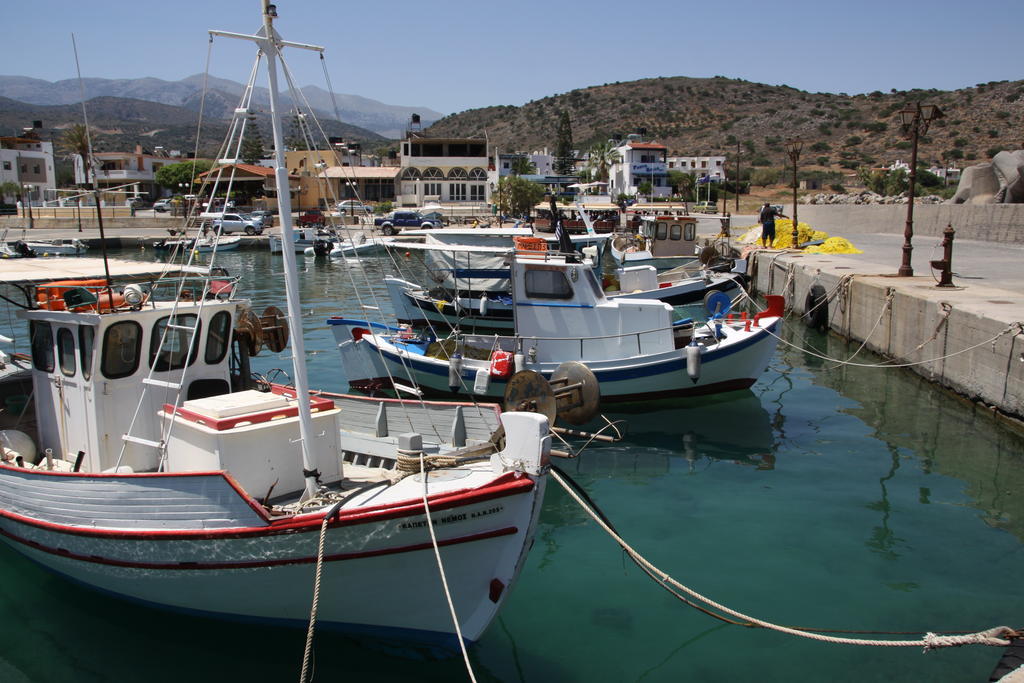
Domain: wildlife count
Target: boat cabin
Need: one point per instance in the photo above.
(562, 304)
(669, 236)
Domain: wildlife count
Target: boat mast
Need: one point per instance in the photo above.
(270, 43)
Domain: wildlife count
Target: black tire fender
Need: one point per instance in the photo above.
(816, 308)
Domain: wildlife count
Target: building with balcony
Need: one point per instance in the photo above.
(639, 162)
(138, 168)
(711, 167)
(443, 170)
(27, 161)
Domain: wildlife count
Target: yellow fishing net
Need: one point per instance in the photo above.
(784, 238)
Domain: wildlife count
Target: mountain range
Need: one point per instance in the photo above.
(691, 116)
(221, 98)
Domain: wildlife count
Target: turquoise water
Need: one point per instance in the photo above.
(826, 497)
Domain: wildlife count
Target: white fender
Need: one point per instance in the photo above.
(693, 352)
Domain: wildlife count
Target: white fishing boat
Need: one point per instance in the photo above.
(633, 346)
(356, 245)
(204, 244)
(160, 484)
(302, 238)
(661, 241)
(58, 247)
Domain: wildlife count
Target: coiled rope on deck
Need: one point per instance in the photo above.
(930, 641)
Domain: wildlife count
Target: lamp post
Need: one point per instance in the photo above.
(914, 121)
(31, 221)
(737, 183)
(793, 148)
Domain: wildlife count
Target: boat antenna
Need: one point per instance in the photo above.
(90, 170)
(270, 43)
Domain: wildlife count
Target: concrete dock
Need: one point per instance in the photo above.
(968, 338)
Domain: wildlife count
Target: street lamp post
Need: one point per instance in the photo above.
(793, 149)
(914, 121)
(737, 182)
(31, 221)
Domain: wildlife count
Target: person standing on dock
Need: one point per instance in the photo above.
(767, 220)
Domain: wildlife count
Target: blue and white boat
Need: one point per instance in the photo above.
(634, 348)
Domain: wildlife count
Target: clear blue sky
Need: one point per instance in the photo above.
(452, 55)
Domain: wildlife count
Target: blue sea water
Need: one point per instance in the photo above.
(826, 496)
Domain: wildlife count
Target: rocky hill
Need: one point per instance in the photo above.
(698, 116)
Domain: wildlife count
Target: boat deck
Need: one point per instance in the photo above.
(22, 271)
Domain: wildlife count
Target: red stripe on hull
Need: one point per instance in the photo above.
(506, 485)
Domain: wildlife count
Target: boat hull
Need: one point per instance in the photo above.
(379, 574)
(665, 374)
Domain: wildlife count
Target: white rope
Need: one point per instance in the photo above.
(440, 569)
(930, 641)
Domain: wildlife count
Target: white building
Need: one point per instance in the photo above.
(114, 169)
(639, 162)
(27, 161)
(446, 170)
(712, 167)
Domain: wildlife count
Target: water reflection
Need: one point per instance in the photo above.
(945, 434)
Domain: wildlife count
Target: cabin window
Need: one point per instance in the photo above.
(169, 351)
(675, 232)
(42, 346)
(690, 232)
(661, 231)
(86, 341)
(66, 351)
(217, 338)
(122, 346)
(547, 284)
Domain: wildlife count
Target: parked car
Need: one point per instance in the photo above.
(353, 207)
(162, 205)
(396, 220)
(138, 202)
(705, 207)
(313, 217)
(267, 217)
(227, 223)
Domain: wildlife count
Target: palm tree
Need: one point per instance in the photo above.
(75, 142)
(522, 166)
(600, 160)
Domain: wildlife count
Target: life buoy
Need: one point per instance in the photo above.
(816, 308)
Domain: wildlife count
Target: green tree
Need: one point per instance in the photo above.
(75, 142)
(517, 196)
(297, 133)
(9, 189)
(171, 175)
(682, 184)
(565, 159)
(522, 166)
(644, 188)
(252, 146)
(602, 156)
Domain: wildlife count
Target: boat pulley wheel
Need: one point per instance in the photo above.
(275, 329)
(577, 394)
(249, 331)
(528, 391)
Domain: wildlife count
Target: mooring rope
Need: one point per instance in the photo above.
(930, 641)
(316, 592)
(440, 569)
